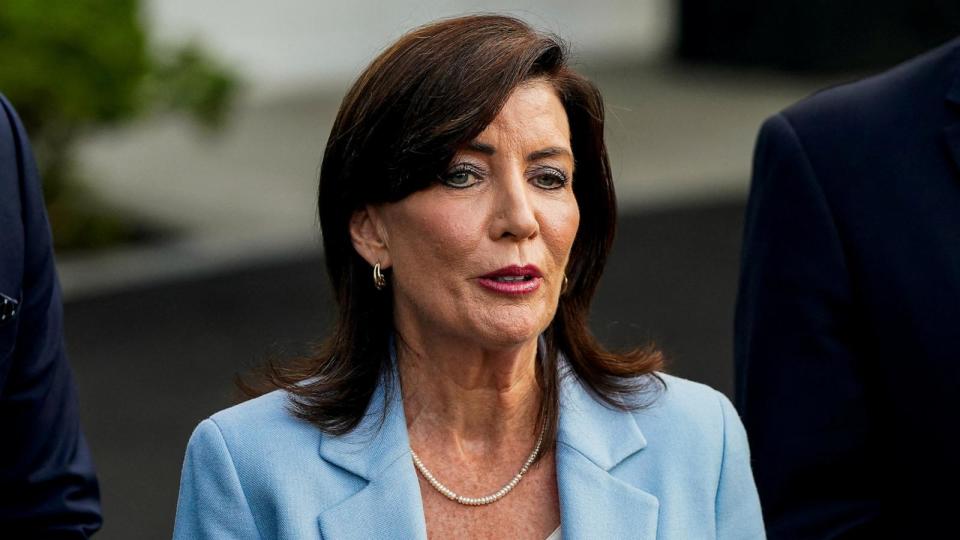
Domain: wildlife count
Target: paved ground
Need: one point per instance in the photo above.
(153, 361)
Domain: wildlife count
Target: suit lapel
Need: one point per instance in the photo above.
(389, 505)
(592, 441)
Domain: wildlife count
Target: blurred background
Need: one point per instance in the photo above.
(179, 142)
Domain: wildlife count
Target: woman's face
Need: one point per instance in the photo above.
(505, 206)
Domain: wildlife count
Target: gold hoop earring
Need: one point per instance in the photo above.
(378, 280)
(566, 282)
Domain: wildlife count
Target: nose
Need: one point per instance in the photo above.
(514, 215)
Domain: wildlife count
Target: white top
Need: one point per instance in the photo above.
(555, 535)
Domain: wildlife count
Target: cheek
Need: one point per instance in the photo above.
(560, 228)
(434, 238)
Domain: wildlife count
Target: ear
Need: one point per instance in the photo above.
(369, 236)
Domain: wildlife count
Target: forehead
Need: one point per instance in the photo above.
(533, 114)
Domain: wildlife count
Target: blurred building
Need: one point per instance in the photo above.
(292, 42)
(805, 35)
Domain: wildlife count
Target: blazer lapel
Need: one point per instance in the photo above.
(592, 441)
(389, 505)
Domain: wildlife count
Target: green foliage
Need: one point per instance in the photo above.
(185, 79)
(72, 61)
(71, 66)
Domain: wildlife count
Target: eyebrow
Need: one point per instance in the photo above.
(549, 151)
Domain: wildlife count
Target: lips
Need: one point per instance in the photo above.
(514, 273)
(512, 280)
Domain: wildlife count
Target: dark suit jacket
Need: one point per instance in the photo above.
(47, 484)
(848, 317)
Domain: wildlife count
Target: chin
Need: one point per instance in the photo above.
(511, 332)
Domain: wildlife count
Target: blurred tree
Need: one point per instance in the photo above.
(73, 66)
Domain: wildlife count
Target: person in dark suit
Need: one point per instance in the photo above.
(848, 317)
(48, 488)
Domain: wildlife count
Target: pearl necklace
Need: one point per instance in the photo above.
(478, 501)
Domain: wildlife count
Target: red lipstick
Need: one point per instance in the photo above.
(513, 280)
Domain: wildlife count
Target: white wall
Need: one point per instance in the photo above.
(286, 44)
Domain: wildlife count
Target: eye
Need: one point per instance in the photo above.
(461, 177)
(550, 179)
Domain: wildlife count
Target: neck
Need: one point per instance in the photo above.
(466, 398)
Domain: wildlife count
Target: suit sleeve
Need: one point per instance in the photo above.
(800, 384)
(48, 487)
(212, 504)
(737, 505)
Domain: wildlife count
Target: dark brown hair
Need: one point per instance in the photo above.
(397, 130)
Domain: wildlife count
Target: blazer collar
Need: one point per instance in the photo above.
(379, 440)
(601, 434)
(389, 505)
(592, 440)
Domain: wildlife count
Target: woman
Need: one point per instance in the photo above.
(467, 209)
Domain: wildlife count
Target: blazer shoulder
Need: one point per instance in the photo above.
(688, 410)
(264, 418)
(704, 433)
(695, 439)
(683, 396)
(267, 406)
(901, 91)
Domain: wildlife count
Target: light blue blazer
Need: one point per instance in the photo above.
(677, 470)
